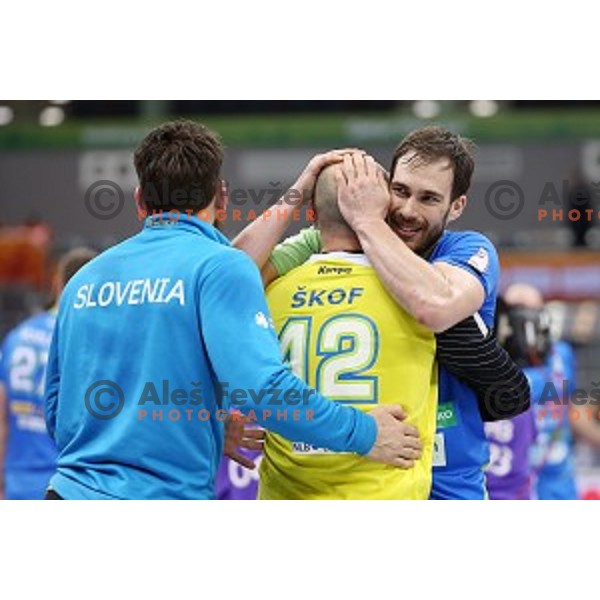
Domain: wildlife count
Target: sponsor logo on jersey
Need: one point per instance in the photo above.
(480, 260)
(446, 415)
(327, 270)
(263, 320)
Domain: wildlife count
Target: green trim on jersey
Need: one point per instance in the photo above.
(296, 250)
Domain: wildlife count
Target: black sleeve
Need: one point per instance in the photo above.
(476, 358)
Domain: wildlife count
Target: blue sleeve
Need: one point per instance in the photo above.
(474, 253)
(244, 353)
(3, 353)
(538, 378)
(566, 356)
(52, 384)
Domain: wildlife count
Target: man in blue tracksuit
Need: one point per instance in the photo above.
(28, 452)
(553, 460)
(158, 336)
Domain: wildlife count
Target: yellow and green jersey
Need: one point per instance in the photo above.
(344, 335)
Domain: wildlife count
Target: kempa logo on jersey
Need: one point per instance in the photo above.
(105, 400)
(327, 270)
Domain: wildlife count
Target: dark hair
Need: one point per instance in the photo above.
(178, 165)
(67, 265)
(514, 327)
(73, 260)
(430, 144)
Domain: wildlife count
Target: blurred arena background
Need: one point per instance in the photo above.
(532, 156)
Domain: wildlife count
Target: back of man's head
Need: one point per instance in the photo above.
(523, 294)
(69, 264)
(329, 217)
(178, 166)
(523, 326)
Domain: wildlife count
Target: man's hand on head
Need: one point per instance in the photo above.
(305, 184)
(363, 192)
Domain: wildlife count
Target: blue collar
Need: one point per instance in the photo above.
(183, 221)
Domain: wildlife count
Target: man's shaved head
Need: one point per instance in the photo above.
(523, 294)
(329, 216)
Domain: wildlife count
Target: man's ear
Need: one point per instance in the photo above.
(139, 203)
(222, 196)
(311, 206)
(456, 208)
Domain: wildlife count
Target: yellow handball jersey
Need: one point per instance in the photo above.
(343, 334)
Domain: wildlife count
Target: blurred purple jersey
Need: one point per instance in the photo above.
(235, 482)
(509, 471)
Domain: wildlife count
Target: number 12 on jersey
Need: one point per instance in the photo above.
(337, 358)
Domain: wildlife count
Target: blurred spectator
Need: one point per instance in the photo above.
(24, 252)
(552, 453)
(27, 454)
(509, 473)
(580, 198)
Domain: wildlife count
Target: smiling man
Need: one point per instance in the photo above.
(438, 276)
(446, 280)
(430, 175)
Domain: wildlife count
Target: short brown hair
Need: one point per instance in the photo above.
(178, 165)
(430, 144)
(73, 260)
